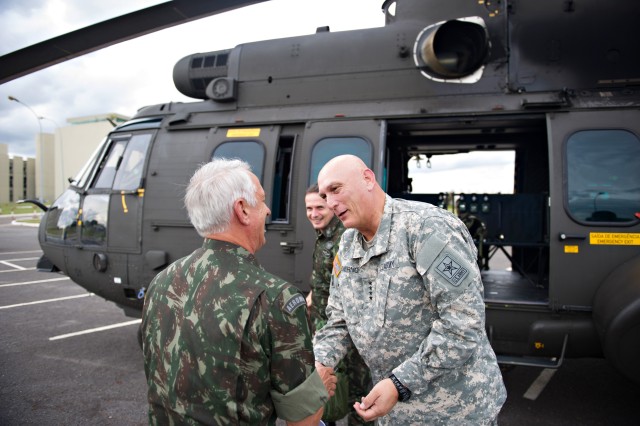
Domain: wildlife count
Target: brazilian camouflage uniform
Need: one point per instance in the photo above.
(413, 305)
(353, 366)
(225, 342)
(327, 241)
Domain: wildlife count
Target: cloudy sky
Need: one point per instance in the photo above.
(132, 74)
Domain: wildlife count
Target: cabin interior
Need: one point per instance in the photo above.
(494, 174)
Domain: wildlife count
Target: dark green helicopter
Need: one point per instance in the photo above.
(555, 83)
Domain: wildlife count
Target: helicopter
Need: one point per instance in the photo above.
(556, 84)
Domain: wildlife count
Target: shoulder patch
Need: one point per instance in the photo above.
(294, 303)
(337, 266)
(453, 271)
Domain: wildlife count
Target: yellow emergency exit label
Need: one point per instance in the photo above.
(614, 239)
(571, 249)
(243, 133)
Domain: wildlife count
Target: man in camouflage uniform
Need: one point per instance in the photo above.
(224, 341)
(328, 231)
(406, 288)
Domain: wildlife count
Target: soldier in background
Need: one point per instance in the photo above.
(329, 229)
(224, 341)
(406, 289)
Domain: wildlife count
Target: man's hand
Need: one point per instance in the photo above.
(309, 299)
(379, 402)
(328, 377)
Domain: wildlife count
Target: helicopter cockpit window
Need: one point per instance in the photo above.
(129, 174)
(603, 171)
(95, 209)
(250, 151)
(328, 148)
(110, 165)
(62, 218)
(281, 194)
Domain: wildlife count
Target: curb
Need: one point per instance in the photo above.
(18, 223)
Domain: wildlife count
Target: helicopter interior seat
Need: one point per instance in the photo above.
(518, 221)
(477, 228)
(603, 216)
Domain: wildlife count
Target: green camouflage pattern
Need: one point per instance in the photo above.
(413, 306)
(219, 334)
(352, 366)
(326, 248)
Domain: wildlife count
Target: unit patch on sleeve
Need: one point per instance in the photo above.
(294, 303)
(337, 266)
(451, 270)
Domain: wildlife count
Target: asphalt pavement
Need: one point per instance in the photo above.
(68, 357)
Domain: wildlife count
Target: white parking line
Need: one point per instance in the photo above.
(21, 252)
(17, 305)
(539, 384)
(4, 262)
(18, 270)
(24, 258)
(94, 330)
(34, 282)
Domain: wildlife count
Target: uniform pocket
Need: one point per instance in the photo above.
(380, 299)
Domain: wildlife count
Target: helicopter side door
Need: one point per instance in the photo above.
(322, 141)
(595, 201)
(271, 154)
(108, 225)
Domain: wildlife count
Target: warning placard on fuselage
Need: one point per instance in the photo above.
(614, 239)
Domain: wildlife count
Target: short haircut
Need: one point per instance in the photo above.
(313, 189)
(212, 191)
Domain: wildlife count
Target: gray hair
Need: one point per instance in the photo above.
(212, 191)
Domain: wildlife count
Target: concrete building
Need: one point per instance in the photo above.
(17, 177)
(5, 174)
(59, 156)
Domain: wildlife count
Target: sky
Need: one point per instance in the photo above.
(126, 76)
(479, 172)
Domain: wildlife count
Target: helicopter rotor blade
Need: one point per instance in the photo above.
(112, 31)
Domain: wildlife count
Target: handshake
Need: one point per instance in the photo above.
(328, 377)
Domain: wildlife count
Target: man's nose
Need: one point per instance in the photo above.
(331, 203)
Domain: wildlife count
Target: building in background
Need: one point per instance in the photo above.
(62, 153)
(76, 143)
(5, 174)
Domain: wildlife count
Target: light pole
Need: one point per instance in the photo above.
(38, 160)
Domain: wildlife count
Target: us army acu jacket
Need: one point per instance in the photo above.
(225, 342)
(413, 306)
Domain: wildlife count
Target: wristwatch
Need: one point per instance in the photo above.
(403, 392)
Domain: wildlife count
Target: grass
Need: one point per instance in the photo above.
(13, 208)
(9, 208)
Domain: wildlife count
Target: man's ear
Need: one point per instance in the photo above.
(369, 178)
(240, 211)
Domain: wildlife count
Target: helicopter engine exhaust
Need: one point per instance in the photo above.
(452, 50)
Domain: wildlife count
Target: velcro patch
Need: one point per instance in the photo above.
(294, 303)
(451, 270)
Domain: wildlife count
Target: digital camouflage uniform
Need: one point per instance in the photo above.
(413, 305)
(225, 342)
(327, 243)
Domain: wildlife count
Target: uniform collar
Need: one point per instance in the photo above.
(331, 229)
(381, 237)
(230, 248)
